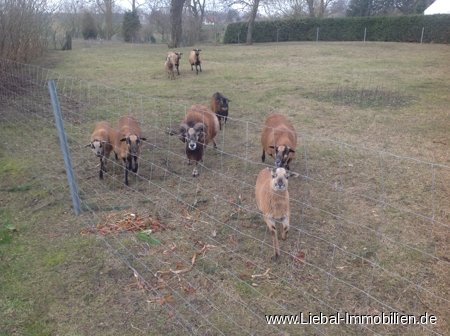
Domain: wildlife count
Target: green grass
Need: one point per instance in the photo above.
(391, 97)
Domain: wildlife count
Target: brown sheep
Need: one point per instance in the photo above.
(172, 63)
(198, 129)
(194, 59)
(219, 105)
(102, 139)
(279, 140)
(128, 143)
(272, 199)
(168, 65)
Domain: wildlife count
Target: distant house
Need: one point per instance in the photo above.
(438, 7)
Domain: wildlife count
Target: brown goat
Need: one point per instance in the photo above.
(279, 140)
(194, 59)
(128, 143)
(102, 139)
(198, 129)
(219, 105)
(272, 199)
(172, 63)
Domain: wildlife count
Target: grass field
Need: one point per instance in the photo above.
(370, 213)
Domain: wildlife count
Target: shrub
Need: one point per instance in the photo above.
(89, 28)
(130, 26)
(396, 29)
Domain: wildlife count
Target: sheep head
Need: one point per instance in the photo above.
(134, 143)
(97, 147)
(193, 136)
(283, 154)
(279, 180)
(223, 105)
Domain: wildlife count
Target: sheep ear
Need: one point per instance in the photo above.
(123, 139)
(291, 150)
(143, 139)
(293, 174)
(273, 147)
(182, 132)
(89, 145)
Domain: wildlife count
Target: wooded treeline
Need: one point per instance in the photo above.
(29, 27)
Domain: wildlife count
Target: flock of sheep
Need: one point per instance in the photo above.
(198, 128)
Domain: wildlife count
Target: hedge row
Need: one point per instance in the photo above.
(436, 28)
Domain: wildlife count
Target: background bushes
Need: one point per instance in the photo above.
(389, 28)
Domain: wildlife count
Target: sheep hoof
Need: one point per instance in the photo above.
(275, 258)
(195, 173)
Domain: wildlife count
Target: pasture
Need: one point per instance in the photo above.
(369, 213)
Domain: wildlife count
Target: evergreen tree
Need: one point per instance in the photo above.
(89, 28)
(130, 26)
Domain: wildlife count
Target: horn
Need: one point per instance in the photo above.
(200, 127)
(183, 129)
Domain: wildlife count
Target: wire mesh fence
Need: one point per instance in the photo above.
(369, 229)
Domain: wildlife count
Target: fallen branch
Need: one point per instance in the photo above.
(264, 275)
(189, 268)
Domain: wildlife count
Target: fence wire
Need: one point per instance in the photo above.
(369, 229)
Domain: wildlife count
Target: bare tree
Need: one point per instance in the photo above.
(24, 25)
(106, 7)
(251, 21)
(298, 8)
(176, 13)
(159, 21)
(196, 9)
(252, 6)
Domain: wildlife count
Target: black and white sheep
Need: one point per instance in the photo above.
(198, 129)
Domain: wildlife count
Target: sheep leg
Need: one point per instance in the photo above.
(215, 145)
(102, 169)
(196, 68)
(126, 170)
(285, 227)
(263, 156)
(273, 231)
(195, 171)
(200, 67)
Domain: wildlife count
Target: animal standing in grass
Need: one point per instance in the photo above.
(172, 63)
(194, 59)
(198, 129)
(272, 199)
(102, 139)
(127, 144)
(279, 140)
(219, 105)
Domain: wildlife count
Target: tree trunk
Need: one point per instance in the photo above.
(251, 21)
(108, 19)
(176, 11)
(311, 8)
